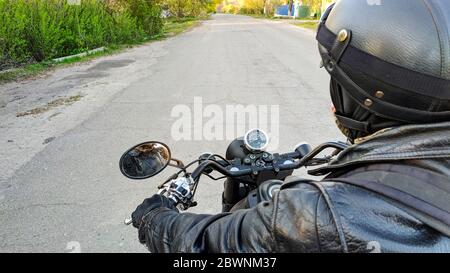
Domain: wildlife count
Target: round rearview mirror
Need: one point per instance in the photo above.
(145, 160)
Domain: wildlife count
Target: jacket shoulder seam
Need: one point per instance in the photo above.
(315, 222)
(274, 220)
(334, 215)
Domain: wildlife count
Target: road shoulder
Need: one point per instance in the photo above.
(36, 111)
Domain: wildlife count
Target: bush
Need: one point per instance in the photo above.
(38, 30)
(147, 14)
(189, 8)
(232, 9)
(13, 29)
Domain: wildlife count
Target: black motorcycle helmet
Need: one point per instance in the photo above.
(389, 62)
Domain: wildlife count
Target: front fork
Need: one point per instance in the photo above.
(233, 192)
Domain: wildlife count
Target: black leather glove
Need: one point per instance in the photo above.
(150, 204)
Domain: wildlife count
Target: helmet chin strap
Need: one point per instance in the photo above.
(354, 125)
(350, 127)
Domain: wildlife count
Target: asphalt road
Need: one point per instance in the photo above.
(70, 195)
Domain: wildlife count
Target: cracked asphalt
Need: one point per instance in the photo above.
(61, 189)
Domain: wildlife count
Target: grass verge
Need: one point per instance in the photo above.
(172, 27)
(260, 16)
(308, 25)
(175, 27)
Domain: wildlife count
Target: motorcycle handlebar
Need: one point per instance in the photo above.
(302, 155)
(236, 171)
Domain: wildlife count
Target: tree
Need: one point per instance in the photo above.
(317, 6)
(266, 7)
(189, 8)
(212, 5)
(271, 5)
(177, 7)
(252, 6)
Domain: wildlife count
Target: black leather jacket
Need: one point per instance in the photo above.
(325, 216)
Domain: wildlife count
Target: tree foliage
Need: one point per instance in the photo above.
(256, 7)
(189, 8)
(268, 7)
(252, 6)
(316, 6)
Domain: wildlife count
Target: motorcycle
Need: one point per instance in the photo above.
(252, 175)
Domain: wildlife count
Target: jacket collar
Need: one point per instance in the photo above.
(411, 142)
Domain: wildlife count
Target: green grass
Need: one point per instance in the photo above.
(40, 30)
(28, 71)
(308, 25)
(172, 27)
(34, 70)
(260, 16)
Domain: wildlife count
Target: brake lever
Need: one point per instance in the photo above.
(173, 177)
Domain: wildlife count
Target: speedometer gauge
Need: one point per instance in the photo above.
(256, 140)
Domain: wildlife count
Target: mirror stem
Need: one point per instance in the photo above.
(178, 163)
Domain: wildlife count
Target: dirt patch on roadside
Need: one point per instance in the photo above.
(66, 101)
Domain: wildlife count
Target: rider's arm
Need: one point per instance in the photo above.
(289, 223)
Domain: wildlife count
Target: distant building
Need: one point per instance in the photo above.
(283, 10)
(299, 10)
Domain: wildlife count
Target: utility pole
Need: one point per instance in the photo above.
(265, 7)
(290, 8)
